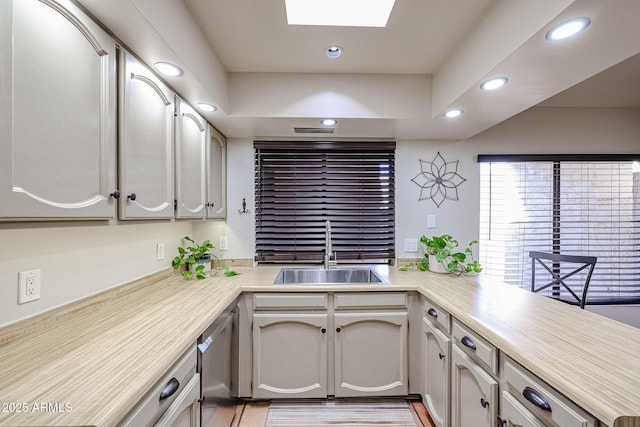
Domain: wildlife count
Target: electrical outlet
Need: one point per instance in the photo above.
(28, 286)
(223, 243)
(411, 245)
(159, 251)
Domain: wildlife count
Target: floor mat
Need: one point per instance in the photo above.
(350, 413)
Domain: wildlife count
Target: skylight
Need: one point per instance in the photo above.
(343, 13)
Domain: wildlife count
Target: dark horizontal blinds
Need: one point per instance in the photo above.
(569, 207)
(301, 185)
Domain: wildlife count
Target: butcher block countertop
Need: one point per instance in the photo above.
(90, 362)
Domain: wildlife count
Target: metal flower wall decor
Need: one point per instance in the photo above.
(439, 180)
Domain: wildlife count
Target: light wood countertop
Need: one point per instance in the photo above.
(90, 362)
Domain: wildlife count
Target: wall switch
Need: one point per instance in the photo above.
(411, 245)
(159, 251)
(431, 221)
(223, 243)
(28, 286)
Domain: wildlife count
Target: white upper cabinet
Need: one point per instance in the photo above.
(57, 113)
(191, 151)
(146, 143)
(217, 172)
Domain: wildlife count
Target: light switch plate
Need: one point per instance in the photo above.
(431, 221)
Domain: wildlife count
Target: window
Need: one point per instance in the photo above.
(301, 185)
(577, 205)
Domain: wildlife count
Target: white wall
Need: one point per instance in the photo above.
(80, 260)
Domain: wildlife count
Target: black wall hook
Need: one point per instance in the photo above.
(244, 207)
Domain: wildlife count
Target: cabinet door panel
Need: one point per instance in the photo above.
(436, 374)
(289, 355)
(217, 175)
(371, 354)
(474, 393)
(516, 415)
(146, 143)
(190, 162)
(57, 114)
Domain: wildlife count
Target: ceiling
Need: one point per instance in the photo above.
(267, 77)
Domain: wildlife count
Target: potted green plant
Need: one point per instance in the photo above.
(197, 260)
(443, 257)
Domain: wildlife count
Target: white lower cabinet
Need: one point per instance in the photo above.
(370, 354)
(290, 355)
(309, 346)
(474, 398)
(436, 373)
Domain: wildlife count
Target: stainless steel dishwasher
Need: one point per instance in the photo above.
(217, 353)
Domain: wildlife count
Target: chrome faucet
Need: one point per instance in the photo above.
(327, 246)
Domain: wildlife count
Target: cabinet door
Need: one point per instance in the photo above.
(514, 414)
(371, 354)
(436, 373)
(191, 140)
(474, 393)
(216, 174)
(289, 355)
(146, 143)
(57, 113)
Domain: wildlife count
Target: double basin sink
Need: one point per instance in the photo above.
(321, 276)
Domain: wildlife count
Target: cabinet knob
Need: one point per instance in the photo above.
(323, 330)
(132, 196)
(484, 403)
(441, 356)
(501, 422)
(338, 329)
(115, 194)
(432, 312)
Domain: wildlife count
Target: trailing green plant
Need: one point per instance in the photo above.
(190, 256)
(443, 249)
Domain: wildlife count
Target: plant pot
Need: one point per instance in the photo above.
(205, 260)
(436, 266)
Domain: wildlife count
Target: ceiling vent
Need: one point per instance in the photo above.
(313, 130)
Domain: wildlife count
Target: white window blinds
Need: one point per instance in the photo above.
(563, 205)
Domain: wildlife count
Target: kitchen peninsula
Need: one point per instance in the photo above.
(93, 360)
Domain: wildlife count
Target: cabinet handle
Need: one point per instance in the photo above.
(536, 398)
(501, 422)
(338, 329)
(441, 356)
(115, 194)
(132, 196)
(468, 342)
(432, 312)
(323, 330)
(484, 403)
(170, 388)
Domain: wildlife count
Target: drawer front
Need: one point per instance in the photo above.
(479, 349)
(437, 316)
(371, 300)
(150, 408)
(514, 414)
(541, 399)
(290, 301)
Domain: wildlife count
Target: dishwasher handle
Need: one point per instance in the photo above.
(171, 387)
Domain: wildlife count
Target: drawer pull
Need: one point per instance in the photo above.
(432, 312)
(484, 403)
(468, 342)
(536, 398)
(172, 386)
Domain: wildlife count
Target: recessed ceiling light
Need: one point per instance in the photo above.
(329, 122)
(567, 29)
(168, 69)
(494, 84)
(333, 51)
(453, 113)
(347, 13)
(206, 107)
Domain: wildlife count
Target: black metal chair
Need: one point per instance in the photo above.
(581, 262)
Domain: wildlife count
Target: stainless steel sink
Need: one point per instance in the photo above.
(320, 276)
